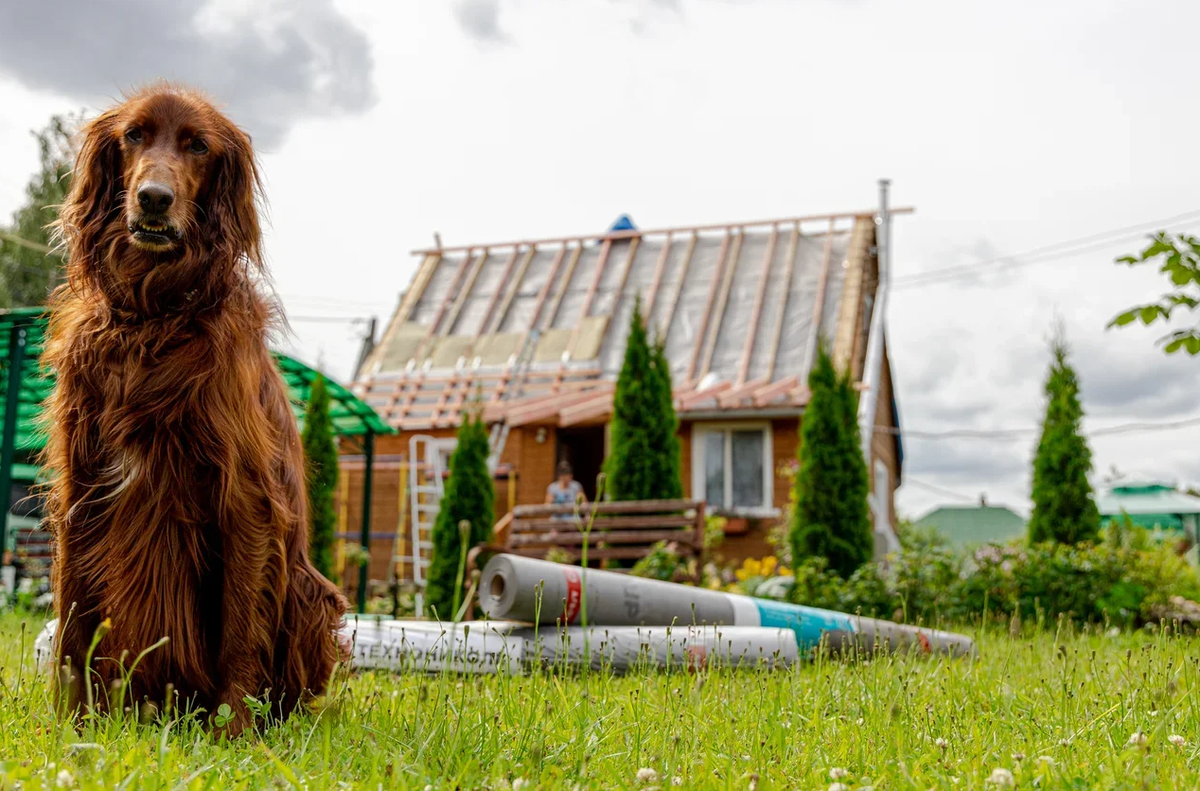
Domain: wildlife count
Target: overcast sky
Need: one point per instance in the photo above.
(1008, 126)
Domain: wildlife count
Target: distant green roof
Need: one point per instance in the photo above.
(1149, 504)
(351, 415)
(974, 524)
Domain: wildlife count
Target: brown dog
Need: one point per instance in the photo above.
(178, 502)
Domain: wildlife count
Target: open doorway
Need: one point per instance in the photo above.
(583, 448)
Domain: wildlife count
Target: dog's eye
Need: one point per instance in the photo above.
(134, 135)
(198, 146)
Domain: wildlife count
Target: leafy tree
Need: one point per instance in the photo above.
(645, 457)
(1179, 259)
(469, 497)
(320, 454)
(1063, 509)
(830, 516)
(28, 271)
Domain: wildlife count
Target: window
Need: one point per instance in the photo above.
(731, 466)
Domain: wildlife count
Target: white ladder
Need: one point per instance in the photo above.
(425, 493)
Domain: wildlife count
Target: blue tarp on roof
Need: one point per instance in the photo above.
(623, 223)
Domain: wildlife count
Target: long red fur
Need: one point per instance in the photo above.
(178, 502)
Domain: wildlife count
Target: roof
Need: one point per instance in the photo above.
(351, 416)
(739, 305)
(974, 524)
(1150, 500)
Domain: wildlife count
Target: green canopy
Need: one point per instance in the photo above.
(351, 415)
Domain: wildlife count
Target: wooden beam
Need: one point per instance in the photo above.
(849, 306)
(547, 410)
(759, 297)
(659, 268)
(429, 333)
(695, 396)
(722, 300)
(633, 248)
(732, 397)
(768, 393)
(619, 235)
(683, 273)
(702, 330)
(533, 320)
(511, 293)
(590, 296)
(465, 291)
(588, 410)
(784, 291)
(810, 354)
(562, 287)
(485, 326)
(404, 310)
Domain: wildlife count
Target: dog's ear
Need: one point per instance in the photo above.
(96, 183)
(232, 206)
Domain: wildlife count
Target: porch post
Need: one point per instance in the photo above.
(368, 474)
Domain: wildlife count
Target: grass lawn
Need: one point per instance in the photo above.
(1040, 711)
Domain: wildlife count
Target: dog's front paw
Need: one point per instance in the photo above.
(231, 717)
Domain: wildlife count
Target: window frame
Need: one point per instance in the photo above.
(699, 466)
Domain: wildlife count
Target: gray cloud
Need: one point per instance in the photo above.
(268, 70)
(958, 462)
(1120, 377)
(480, 19)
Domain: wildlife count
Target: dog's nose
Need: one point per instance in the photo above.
(155, 198)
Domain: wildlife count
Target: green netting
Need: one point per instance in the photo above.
(351, 415)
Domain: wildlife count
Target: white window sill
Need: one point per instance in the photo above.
(744, 512)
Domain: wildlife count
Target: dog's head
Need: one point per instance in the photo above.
(162, 178)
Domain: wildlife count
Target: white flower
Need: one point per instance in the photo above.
(1045, 759)
(64, 779)
(1002, 777)
(942, 743)
(676, 781)
(1177, 740)
(520, 783)
(837, 773)
(859, 721)
(1138, 739)
(1018, 757)
(646, 775)
(838, 787)
(1114, 632)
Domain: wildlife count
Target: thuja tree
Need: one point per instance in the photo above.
(320, 454)
(1063, 508)
(829, 516)
(644, 460)
(469, 497)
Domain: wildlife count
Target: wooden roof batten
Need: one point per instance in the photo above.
(621, 235)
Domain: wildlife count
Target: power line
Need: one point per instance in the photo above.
(1047, 253)
(1033, 431)
(909, 480)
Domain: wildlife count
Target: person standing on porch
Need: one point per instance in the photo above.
(565, 490)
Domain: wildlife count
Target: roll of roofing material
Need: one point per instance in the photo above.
(527, 589)
(431, 647)
(624, 648)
